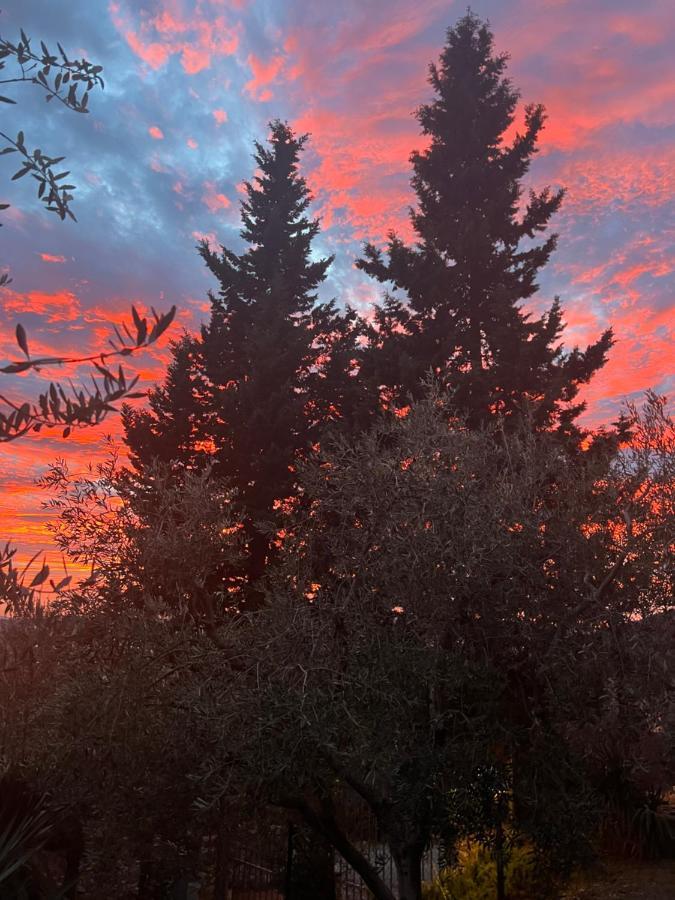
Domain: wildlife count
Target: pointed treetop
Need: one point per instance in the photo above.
(476, 259)
(279, 233)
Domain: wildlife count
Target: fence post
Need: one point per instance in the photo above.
(499, 850)
(222, 873)
(288, 890)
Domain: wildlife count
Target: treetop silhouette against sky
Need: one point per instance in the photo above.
(191, 83)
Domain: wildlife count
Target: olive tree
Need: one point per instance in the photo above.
(95, 705)
(457, 622)
(439, 588)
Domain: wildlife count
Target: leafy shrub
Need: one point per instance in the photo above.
(475, 876)
(645, 832)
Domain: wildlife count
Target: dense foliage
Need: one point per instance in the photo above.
(358, 574)
(435, 605)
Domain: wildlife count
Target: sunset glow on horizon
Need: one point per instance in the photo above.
(190, 84)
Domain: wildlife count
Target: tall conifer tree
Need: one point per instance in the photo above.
(272, 366)
(168, 430)
(476, 258)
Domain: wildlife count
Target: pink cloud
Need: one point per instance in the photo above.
(155, 132)
(153, 53)
(195, 37)
(60, 306)
(220, 116)
(618, 178)
(52, 258)
(192, 143)
(645, 258)
(643, 357)
(598, 72)
(213, 200)
(264, 74)
(193, 60)
(166, 23)
(360, 176)
(207, 236)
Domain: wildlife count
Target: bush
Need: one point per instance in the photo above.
(474, 877)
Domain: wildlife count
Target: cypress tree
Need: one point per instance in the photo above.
(169, 429)
(477, 256)
(271, 368)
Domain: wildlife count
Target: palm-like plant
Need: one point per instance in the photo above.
(25, 827)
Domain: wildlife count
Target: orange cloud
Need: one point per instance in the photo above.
(618, 179)
(264, 74)
(155, 55)
(51, 258)
(220, 116)
(196, 37)
(61, 306)
(349, 152)
(155, 132)
(213, 200)
(594, 68)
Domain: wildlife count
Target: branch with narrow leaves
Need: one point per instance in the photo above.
(21, 587)
(87, 405)
(51, 189)
(67, 80)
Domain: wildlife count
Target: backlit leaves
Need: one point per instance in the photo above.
(87, 405)
(67, 80)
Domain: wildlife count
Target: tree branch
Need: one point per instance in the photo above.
(324, 824)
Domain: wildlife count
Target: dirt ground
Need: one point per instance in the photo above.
(626, 881)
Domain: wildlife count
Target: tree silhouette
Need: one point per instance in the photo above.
(476, 258)
(272, 365)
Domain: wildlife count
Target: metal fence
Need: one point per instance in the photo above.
(262, 867)
(259, 864)
(350, 886)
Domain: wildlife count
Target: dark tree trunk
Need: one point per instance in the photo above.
(313, 866)
(74, 854)
(258, 548)
(408, 863)
(256, 565)
(324, 824)
(222, 873)
(146, 888)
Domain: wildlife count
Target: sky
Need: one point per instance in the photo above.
(190, 84)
